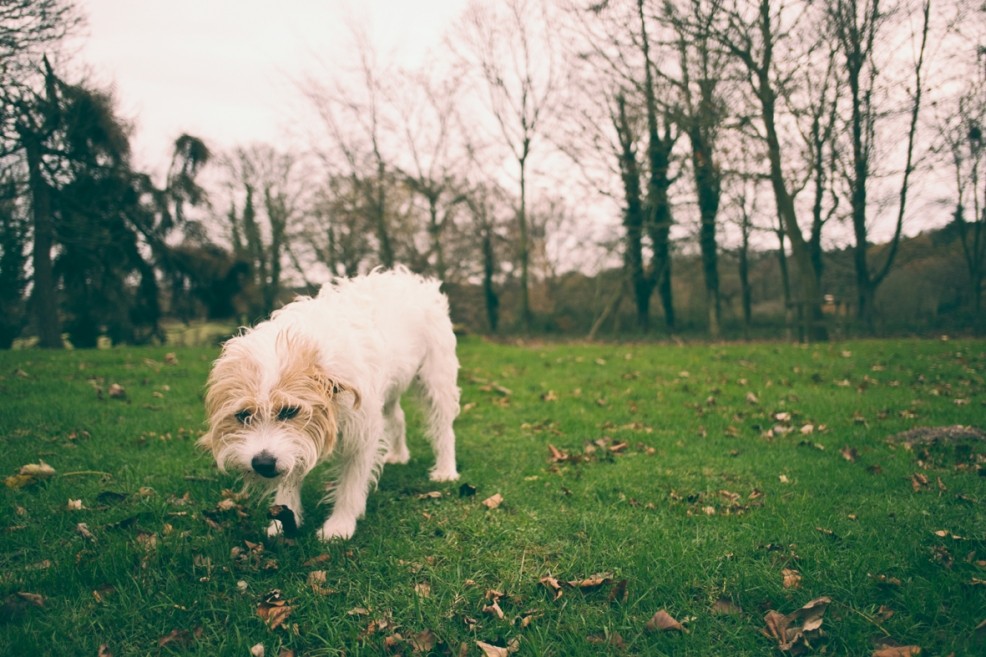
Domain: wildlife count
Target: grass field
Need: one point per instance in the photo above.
(726, 486)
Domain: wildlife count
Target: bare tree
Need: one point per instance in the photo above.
(357, 118)
(29, 102)
(965, 146)
(510, 44)
(856, 27)
(269, 183)
(752, 32)
(430, 125)
(628, 82)
(701, 113)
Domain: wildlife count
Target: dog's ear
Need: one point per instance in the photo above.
(333, 388)
(206, 440)
(339, 388)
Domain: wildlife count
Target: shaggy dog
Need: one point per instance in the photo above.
(324, 377)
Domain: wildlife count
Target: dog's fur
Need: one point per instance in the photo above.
(324, 377)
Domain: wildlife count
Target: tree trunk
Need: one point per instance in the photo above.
(44, 295)
(707, 187)
(814, 329)
(523, 248)
(489, 292)
(435, 233)
(746, 293)
(633, 218)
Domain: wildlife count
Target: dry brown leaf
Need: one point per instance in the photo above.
(117, 391)
(725, 606)
(494, 609)
(492, 651)
(662, 621)
(552, 584)
(273, 609)
(83, 530)
(423, 589)
(792, 578)
(424, 641)
(29, 474)
(316, 580)
(493, 501)
(180, 637)
(591, 582)
(798, 627)
(104, 651)
(33, 598)
(619, 592)
(897, 651)
(557, 455)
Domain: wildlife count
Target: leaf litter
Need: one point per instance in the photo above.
(795, 632)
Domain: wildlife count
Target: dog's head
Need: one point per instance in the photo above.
(272, 410)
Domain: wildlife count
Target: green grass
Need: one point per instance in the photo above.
(692, 513)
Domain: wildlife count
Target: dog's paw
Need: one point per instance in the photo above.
(443, 475)
(275, 528)
(336, 529)
(397, 457)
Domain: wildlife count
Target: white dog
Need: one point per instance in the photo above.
(324, 376)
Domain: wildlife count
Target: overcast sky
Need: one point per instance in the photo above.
(225, 70)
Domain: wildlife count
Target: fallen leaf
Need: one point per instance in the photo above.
(424, 641)
(619, 592)
(552, 584)
(897, 651)
(104, 651)
(74, 505)
(493, 501)
(257, 650)
(117, 391)
(557, 455)
(314, 561)
(316, 580)
(33, 598)
(273, 609)
(430, 495)
(725, 606)
(83, 529)
(591, 582)
(492, 651)
(29, 474)
(798, 627)
(662, 621)
(180, 637)
(423, 589)
(792, 578)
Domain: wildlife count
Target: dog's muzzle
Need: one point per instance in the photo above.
(265, 464)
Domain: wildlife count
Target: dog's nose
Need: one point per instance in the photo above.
(265, 464)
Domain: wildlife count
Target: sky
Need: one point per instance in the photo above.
(227, 70)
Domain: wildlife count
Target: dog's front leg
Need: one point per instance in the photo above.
(288, 494)
(356, 475)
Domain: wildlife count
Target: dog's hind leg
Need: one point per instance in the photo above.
(437, 377)
(288, 494)
(395, 429)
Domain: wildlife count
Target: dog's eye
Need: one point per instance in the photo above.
(288, 412)
(244, 416)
